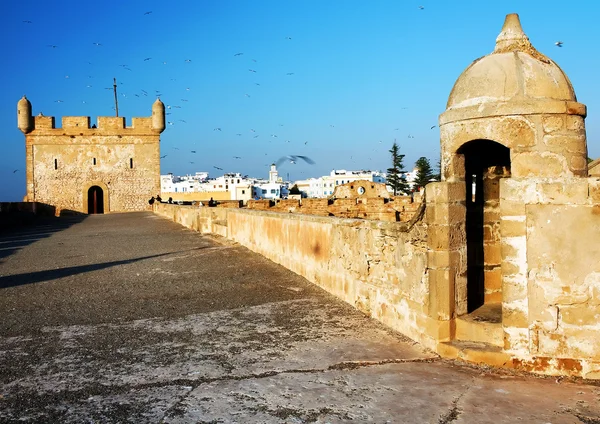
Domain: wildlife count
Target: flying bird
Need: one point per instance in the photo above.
(238, 54)
(216, 167)
(52, 45)
(432, 127)
(97, 44)
(162, 157)
(188, 60)
(27, 22)
(421, 7)
(237, 157)
(217, 129)
(193, 151)
(288, 38)
(238, 134)
(147, 59)
(147, 13)
(15, 171)
(58, 101)
(290, 73)
(558, 44)
(293, 159)
(252, 70)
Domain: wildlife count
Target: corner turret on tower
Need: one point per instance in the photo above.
(24, 117)
(158, 116)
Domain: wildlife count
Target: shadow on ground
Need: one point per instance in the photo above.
(18, 230)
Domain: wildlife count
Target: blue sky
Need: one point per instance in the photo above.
(364, 73)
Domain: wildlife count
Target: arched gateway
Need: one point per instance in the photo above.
(95, 197)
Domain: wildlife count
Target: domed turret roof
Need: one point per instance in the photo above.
(24, 101)
(515, 70)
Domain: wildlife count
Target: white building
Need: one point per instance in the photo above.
(273, 188)
(181, 184)
(325, 185)
(231, 185)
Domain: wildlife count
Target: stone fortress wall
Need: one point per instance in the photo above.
(502, 268)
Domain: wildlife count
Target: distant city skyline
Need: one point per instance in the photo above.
(246, 83)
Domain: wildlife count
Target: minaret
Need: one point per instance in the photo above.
(273, 175)
(24, 118)
(158, 116)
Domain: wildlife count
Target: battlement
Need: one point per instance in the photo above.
(76, 124)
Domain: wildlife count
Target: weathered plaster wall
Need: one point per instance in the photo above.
(129, 188)
(551, 273)
(379, 267)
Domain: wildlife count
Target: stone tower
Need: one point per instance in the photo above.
(86, 168)
(513, 230)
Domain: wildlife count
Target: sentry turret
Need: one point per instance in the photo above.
(24, 117)
(158, 116)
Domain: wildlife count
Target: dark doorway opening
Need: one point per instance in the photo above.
(485, 163)
(95, 200)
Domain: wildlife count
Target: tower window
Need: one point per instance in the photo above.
(94, 161)
(55, 163)
(131, 163)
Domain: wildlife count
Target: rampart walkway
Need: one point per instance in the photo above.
(132, 318)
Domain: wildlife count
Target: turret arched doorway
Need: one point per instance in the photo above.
(486, 162)
(95, 200)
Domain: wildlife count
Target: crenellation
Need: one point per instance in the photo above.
(111, 123)
(75, 122)
(43, 123)
(141, 123)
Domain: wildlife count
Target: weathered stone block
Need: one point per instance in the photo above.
(441, 294)
(552, 123)
(513, 226)
(594, 190)
(445, 192)
(536, 164)
(575, 122)
(514, 318)
(565, 192)
(492, 254)
(493, 279)
(444, 213)
(580, 314)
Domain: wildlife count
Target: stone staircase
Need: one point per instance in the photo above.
(478, 338)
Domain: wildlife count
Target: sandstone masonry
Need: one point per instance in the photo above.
(92, 169)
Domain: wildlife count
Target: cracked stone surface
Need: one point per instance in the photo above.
(131, 318)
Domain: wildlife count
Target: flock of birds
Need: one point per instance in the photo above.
(291, 159)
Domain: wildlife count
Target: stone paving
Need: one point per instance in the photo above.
(131, 318)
